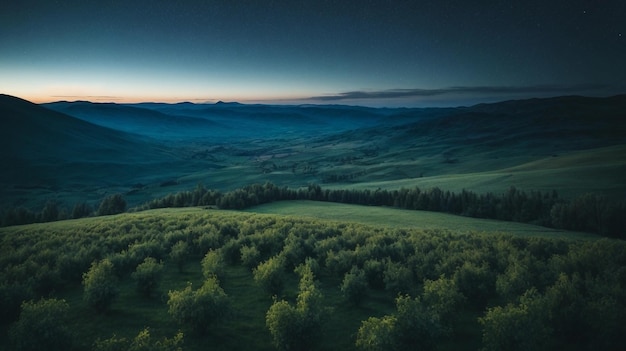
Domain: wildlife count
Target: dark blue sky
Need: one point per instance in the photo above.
(379, 53)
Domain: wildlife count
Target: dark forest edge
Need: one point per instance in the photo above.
(588, 213)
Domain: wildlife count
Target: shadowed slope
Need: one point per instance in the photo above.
(138, 120)
(40, 148)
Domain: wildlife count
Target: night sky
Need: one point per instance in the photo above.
(374, 53)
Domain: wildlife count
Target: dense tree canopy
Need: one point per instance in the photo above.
(568, 294)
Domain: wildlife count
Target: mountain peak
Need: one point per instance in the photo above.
(222, 103)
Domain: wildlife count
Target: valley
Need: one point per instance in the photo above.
(283, 226)
(571, 144)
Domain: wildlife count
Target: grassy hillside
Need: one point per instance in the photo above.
(572, 173)
(573, 145)
(50, 156)
(467, 273)
(138, 120)
(398, 218)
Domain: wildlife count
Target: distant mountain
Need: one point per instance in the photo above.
(44, 148)
(70, 150)
(566, 123)
(138, 120)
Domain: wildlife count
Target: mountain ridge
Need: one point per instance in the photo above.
(333, 145)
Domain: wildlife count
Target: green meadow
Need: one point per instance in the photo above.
(399, 218)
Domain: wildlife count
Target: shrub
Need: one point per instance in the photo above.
(213, 264)
(270, 275)
(147, 275)
(397, 278)
(100, 285)
(201, 308)
(354, 285)
(179, 254)
(142, 342)
(377, 334)
(297, 327)
(412, 326)
(517, 327)
(42, 326)
(443, 298)
(250, 256)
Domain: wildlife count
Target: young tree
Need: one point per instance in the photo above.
(201, 308)
(42, 326)
(354, 285)
(517, 327)
(297, 327)
(412, 326)
(377, 334)
(81, 209)
(213, 264)
(443, 298)
(250, 256)
(270, 275)
(179, 254)
(283, 322)
(50, 212)
(147, 275)
(112, 204)
(100, 285)
(142, 342)
(398, 278)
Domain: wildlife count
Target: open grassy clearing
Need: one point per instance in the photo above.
(398, 218)
(601, 170)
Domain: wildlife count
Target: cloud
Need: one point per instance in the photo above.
(459, 90)
(89, 97)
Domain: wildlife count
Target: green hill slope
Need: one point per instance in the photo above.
(43, 151)
(397, 218)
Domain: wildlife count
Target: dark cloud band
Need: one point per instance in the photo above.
(478, 90)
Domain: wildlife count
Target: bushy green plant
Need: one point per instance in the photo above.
(517, 327)
(142, 342)
(199, 309)
(297, 327)
(270, 275)
(100, 285)
(412, 326)
(178, 254)
(213, 264)
(147, 275)
(43, 325)
(354, 285)
(250, 256)
(443, 298)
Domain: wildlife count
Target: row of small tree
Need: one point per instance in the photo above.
(53, 211)
(589, 212)
(529, 292)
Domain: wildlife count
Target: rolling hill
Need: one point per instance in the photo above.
(571, 144)
(139, 120)
(46, 153)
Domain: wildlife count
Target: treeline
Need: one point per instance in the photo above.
(53, 211)
(589, 212)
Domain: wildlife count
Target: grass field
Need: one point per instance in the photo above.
(599, 170)
(398, 218)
